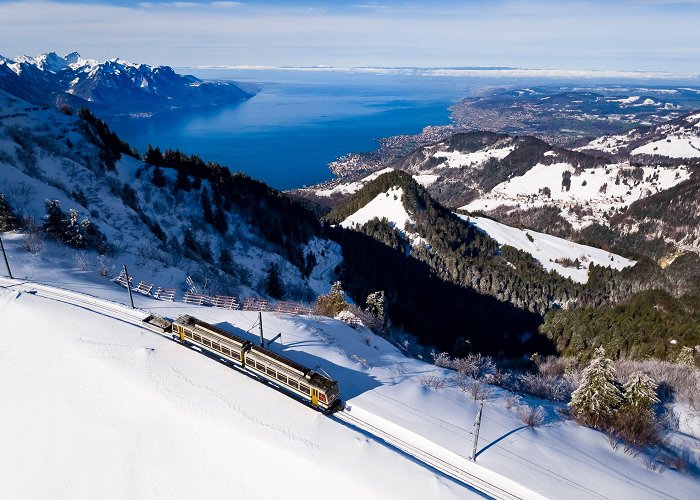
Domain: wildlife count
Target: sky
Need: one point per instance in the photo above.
(649, 35)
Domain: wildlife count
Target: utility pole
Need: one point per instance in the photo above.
(262, 339)
(477, 425)
(128, 287)
(7, 264)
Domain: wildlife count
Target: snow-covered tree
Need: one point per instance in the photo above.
(639, 391)
(596, 400)
(685, 356)
(635, 421)
(332, 303)
(8, 220)
(376, 304)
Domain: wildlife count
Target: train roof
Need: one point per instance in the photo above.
(314, 378)
(188, 320)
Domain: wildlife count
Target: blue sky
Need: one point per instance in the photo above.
(614, 35)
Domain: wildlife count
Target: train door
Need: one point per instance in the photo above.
(314, 397)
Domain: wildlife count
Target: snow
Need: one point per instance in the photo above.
(673, 146)
(100, 408)
(426, 180)
(457, 159)
(387, 205)
(353, 187)
(597, 190)
(547, 249)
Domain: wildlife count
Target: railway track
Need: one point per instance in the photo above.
(465, 477)
(135, 317)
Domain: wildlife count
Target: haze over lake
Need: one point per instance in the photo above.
(298, 121)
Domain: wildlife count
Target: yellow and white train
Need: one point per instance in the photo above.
(303, 382)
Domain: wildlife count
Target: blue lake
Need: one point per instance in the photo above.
(298, 122)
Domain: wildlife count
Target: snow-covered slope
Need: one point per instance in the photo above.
(553, 253)
(679, 138)
(594, 194)
(388, 205)
(101, 408)
(45, 154)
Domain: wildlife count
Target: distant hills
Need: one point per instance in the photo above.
(113, 87)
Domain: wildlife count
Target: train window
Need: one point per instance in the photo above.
(282, 377)
(304, 388)
(293, 383)
(322, 397)
(236, 355)
(226, 351)
(216, 346)
(260, 366)
(206, 342)
(188, 334)
(197, 337)
(270, 371)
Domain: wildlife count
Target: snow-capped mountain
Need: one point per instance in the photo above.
(113, 86)
(675, 139)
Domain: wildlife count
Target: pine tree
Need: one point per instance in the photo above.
(376, 303)
(332, 303)
(596, 400)
(685, 357)
(206, 207)
(74, 234)
(220, 222)
(226, 262)
(8, 220)
(309, 264)
(54, 219)
(273, 283)
(636, 421)
(158, 177)
(182, 181)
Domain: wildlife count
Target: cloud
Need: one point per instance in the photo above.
(443, 33)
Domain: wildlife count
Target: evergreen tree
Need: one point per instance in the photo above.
(376, 303)
(8, 220)
(226, 262)
(54, 223)
(74, 234)
(273, 283)
(685, 356)
(206, 207)
(596, 400)
(636, 421)
(332, 303)
(153, 156)
(309, 264)
(220, 222)
(182, 181)
(158, 177)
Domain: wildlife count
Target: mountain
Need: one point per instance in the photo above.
(443, 274)
(68, 178)
(113, 87)
(675, 139)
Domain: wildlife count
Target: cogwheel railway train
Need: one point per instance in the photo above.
(304, 383)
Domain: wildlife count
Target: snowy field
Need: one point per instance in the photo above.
(95, 407)
(548, 249)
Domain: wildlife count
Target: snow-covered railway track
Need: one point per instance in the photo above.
(95, 304)
(480, 485)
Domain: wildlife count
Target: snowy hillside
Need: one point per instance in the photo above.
(553, 253)
(45, 154)
(115, 86)
(679, 138)
(593, 195)
(133, 414)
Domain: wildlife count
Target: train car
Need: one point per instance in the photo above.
(190, 330)
(303, 382)
(317, 389)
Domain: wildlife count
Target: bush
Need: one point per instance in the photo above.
(550, 387)
(480, 391)
(532, 417)
(432, 380)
